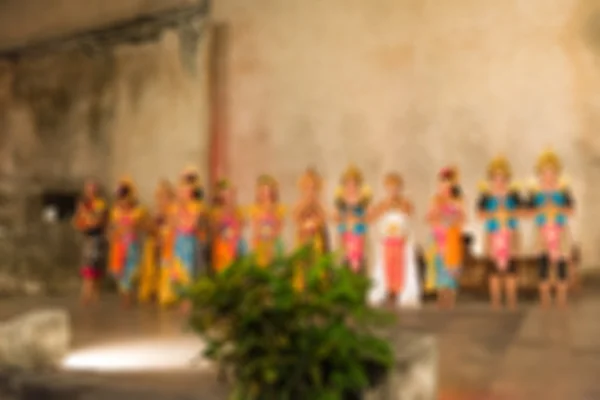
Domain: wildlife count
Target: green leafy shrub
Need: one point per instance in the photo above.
(285, 343)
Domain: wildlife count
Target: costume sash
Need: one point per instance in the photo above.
(395, 269)
(500, 247)
(354, 246)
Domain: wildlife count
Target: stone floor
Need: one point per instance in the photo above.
(528, 354)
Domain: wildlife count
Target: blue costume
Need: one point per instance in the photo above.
(500, 231)
(551, 222)
(352, 226)
(353, 235)
(561, 199)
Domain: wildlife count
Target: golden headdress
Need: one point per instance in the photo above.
(352, 173)
(164, 187)
(125, 181)
(223, 184)
(190, 175)
(219, 188)
(310, 176)
(499, 165)
(126, 185)
(393, 178)
(267, 180)
(271, 183)
(548, 159)
(189, 170)
(449, 174)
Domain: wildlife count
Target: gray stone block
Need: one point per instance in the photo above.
(415, 375)
(36, 340)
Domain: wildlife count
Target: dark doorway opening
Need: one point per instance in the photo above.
(63, 203)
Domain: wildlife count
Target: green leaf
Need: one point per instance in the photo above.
(316, 376)
(270, 375)
(287, 344)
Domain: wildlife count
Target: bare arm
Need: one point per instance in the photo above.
(529, 209)
(322, 214)
(297, 212)
(432, 215)
(569, 208)
(243, 219)
(409, 208)
(337, 216)
(150, 225)
(483, 215)
(374, 212)
(462, 214)
(280, 212)
(77, 217)
(111, 228)
(253, 223)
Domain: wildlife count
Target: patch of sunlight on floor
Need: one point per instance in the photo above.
(177, 354)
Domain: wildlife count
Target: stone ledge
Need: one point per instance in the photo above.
(36, 340)
(19, 385)
(415, 375)
(138, 30)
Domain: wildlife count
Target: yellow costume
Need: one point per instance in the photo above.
(266, 224)
(310, 220)
(445, 251)
(125, 252)
(228, 242)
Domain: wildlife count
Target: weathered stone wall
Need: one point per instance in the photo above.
(25, 22)
(414, 85)
(129, 100)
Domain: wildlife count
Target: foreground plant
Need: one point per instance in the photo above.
(285, 343)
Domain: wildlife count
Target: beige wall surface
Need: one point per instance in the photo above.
(137, 110)
(161, 123)
(413, 85)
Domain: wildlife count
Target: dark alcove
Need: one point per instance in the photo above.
(63, 202)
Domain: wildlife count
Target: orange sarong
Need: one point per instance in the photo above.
(454, 248)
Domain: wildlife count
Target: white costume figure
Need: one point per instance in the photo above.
(395, 272)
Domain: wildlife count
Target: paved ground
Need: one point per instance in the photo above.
(528, 354)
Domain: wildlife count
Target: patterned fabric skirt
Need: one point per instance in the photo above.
(93, 257)
(225, 252)
(268, 251)
(440, 274)
(149, 270)
(125, 260)
(184, 266)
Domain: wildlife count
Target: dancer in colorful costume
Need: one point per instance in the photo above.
(446, 217)
(90, 220)
(552, 204)
(158, 249)
(266, 217)
(310, 219)
(192, 178)
(227, 227)
(352, 200)
(309, 214)
(395, 276)
(185, 217)
(499, 206)
(126, 227)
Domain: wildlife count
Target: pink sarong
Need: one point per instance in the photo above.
(354, 246)
(394, 263)
(501, 248)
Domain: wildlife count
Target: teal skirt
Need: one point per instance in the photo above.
(444, 278)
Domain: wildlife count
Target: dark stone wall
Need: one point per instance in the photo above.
(63, 115)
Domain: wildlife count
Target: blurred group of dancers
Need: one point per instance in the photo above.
(156, 252)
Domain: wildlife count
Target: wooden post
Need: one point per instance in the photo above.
(218, 64)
